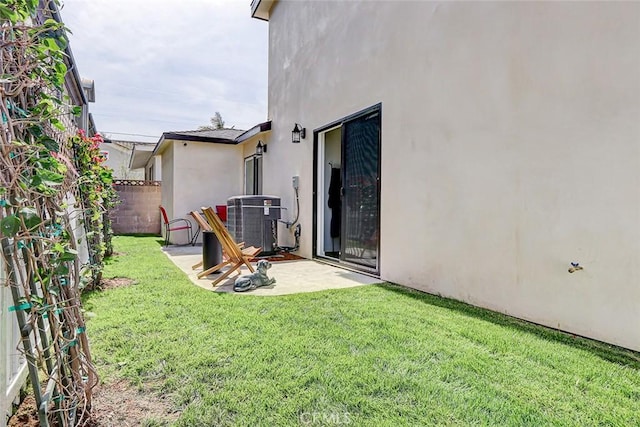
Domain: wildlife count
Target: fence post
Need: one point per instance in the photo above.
(13, 367)
(4, 354)
(7, 251)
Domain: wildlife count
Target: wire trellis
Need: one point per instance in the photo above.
(42, 213)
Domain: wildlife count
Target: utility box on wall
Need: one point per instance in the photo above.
(252, 220)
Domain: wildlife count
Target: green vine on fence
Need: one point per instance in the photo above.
(55, 193)
(95, 186)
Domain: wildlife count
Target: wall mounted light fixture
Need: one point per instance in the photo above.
(297, 133)
(261, 148)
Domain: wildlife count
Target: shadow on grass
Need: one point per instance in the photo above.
(139, 235)
(111, 259)
(605, 351)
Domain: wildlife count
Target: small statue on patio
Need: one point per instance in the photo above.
(252, 281)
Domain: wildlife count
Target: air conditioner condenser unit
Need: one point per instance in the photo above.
(253, 220)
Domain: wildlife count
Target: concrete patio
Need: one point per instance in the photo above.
(292, 277)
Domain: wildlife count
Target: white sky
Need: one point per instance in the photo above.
(169, 65)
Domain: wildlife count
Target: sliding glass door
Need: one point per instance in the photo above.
(361, 189)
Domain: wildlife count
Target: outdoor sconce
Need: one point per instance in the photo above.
(297, 133)
(261, 148)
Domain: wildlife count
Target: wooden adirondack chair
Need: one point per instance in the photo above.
(236, 256)
(204, 226)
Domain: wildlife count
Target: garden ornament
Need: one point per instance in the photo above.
(249, 282)
(575, 267)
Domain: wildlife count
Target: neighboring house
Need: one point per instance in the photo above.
(142, 158)
(118, 155)
(204, 167)
(479, 147)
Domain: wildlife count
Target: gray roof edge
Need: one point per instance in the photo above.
(259, 128)
(193, 135)
(198, 138)
(224, 133)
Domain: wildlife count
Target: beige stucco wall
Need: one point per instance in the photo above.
(153, 168)
(167, 168)
(249, 146)
(274, 164)
(510, 146)
(197, 174)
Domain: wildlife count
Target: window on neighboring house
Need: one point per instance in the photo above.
(77, 120)
(253, 175)
(149, 176)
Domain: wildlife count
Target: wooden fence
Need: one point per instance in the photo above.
(13, 365)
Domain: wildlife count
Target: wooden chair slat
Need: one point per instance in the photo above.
(237, 256)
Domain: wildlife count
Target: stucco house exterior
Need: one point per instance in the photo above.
(118, 157)
(204, 168)
(142, 158)
(468, 149)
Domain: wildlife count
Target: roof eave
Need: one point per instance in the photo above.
(70, 61)
(139, 158)
(159, 146)
(260, 9)
(181, 137)
(257, 129)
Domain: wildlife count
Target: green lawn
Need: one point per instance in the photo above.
(373, 356)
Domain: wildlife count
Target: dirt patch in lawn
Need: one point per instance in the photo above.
(116, 282)
(116, 404)
(119, 404)
(26, 415)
